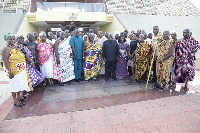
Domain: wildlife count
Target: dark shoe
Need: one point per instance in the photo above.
(81, 79)
(152, 81)
(95, 79)
(77, 80)
(161, 89)
(106, 79)
(61, 84)
(19, 104)
(114, 78)
(155, 86)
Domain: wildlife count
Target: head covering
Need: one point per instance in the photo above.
(42, 33)
(126, 31)
(18, 36)
(7, 36)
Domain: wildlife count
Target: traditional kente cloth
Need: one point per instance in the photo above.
(163, 69)
(156, 39)
(92, 61)
(48, 68)
(142, 66)
(100, 42)
(21, 80)
(184, 68)
(35, 76)
(66, 66)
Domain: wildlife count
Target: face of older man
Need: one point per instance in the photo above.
(110, 37)
(155, 30)
(51, 35)
(173, 35)
(30, 37)
(166, 35)
(141, 38)
(100, 34)
(186, 33)
(91, 37)
(76, 32)
(62, 35)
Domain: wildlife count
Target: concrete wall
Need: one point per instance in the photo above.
(10, 23)
(112, 27)
(197, 63)
(26, 27)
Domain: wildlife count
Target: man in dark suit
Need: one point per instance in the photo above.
(110, 56)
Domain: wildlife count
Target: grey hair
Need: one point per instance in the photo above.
(42, 34)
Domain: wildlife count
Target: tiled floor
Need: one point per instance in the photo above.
(114, 106)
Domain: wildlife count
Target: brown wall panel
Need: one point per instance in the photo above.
(34, 6)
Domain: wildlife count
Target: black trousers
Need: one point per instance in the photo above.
(154, 72)
(110, 66)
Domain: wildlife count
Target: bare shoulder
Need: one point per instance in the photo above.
(57, 41)
(6, 52)
(6, 49)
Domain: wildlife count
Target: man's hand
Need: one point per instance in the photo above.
(75, 57)
(58, 61)
(104, 60)
(33, 65)
(71, 55)
(191, 56)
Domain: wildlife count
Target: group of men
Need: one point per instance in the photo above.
(172, 60)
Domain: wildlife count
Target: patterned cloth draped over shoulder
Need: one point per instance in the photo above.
(45, 52)
(184, 68)
(163, 69)
(143, 49)
(66, 66)
(92, 61)
(35, 76)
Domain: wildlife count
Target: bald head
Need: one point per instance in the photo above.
(166, 35)
(155, 30)
(51, 35)
(62, 35)
(100, 33)
(76, 32)
(110, 36)
(186, 33)
(91, 31)
(91, 37)
(30, 37)
(141, 38)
